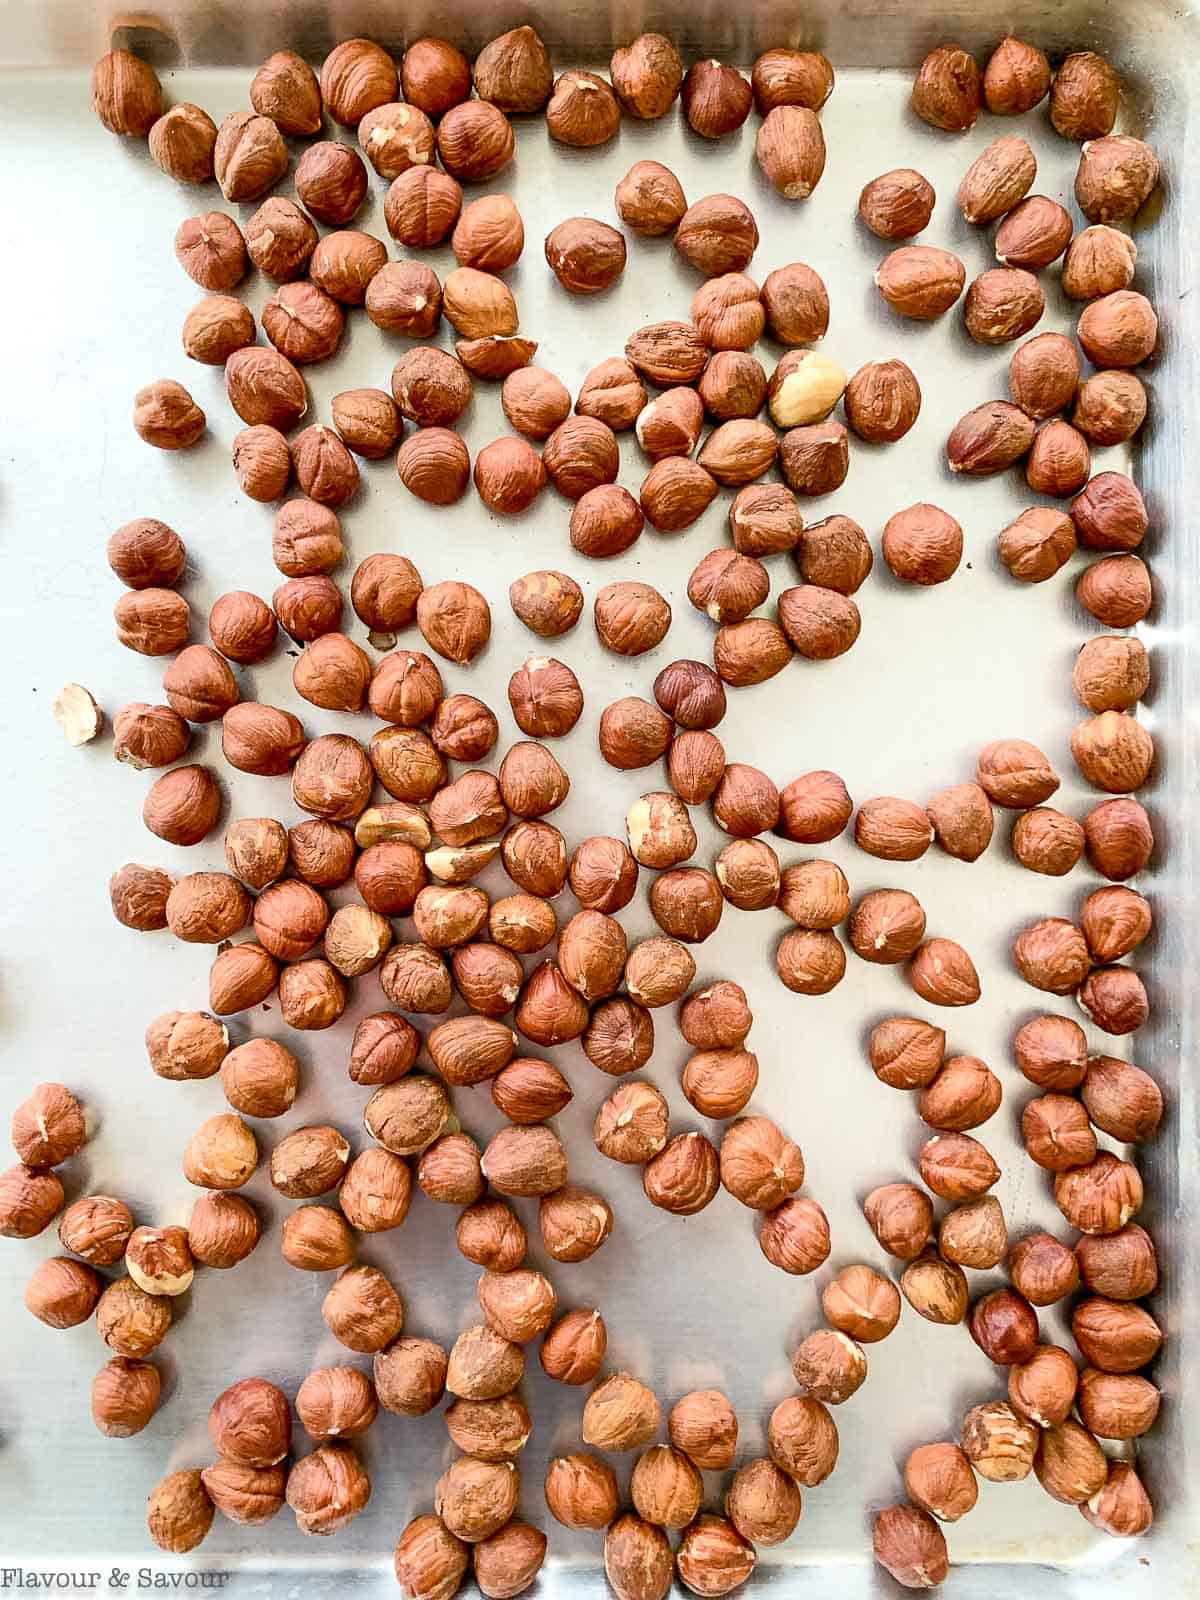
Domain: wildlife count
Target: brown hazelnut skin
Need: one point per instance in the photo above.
(126, 94)
(901, 1218)
(939, 1479)
(630, 618)
(1121, 1265)
(62, 1293)
(897, 205)
(336, 1402)
(829, 1366)
(1042, 1389)
(922, 544)
(1033, 234)
(48, 1127)
(703, 1425)
(356, 76)
(603, 874)
(649, 199)
(125, 1396)
(1099, 260)
(211, 250)
(513, 71)
(887, 926)
(802, 1439)
(1002, 304)
(974, 1235)
(1116, 1405)
(410, 1376)
(947, 92)
(892, 829)
(906, 1053)
(713, 1558)
(684, 1176)
(154, 622)
(795, 1236)
(633, 1124)
(183, 805)
(716, 99)
(1043, 1269)
(536, 403)
(213, 330)
(1121, 1507)
(646, 76)
(999, 1444)
(957, 1167)
(790, 150)
(1004, 1326)
(909, 1545)
(96, 1227)
(935, 1289)
(715, 235)
(179, 1512)
(719, 1083)
(637, 1559)
(1114, 1335)
(249, 156)
(621, 1413)
(223, 1230)
(1084, 97)
(130, 1321)
(862, 1303)
(573, 1348)
(429, 1560)
(964, 1094)
(665, 1487)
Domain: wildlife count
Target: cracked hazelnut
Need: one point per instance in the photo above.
(795, 1236)
(974, 1235)
(998, 1443)
(720, 1082)
(410, 1374)
(1084, 97)
(179, 1512)
(906, 1053)
(957, 1167)
(716, 99)
(940, 1480)
(947, 92)
(935, 1289)
(684, 1176)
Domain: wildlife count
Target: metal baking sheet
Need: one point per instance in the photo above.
(93, 304)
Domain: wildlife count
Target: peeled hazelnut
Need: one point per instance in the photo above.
(429, 1560)
(897, 204)
(957, 1167)
(947, 91)
(713, 1558)
(974, 1235)
(637, 1559)
(939, 1479)
(1033, 234)
(1100, 1197)
(179, 1512)
(935, 1289)
(159, 1260)
(1042, 1389)
(1117, 1405)
(920, 282)
(906, 1053)
(998, 1443)
(131, 1322)
(922, 544)
(790, 150)
(125, 1396)
(249, 156)
(1099, 261)
(795, 1236)
(410, 1374)
(684, 1176)
(1084, 97)
(997, 178)
(96, 1227)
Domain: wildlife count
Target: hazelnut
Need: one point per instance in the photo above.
(280, 239)
(686, 903)
(1058, 462)
(186, 1045)
(887, 926)
(1037, 544)
(1004, 1326)
(1115, 1336)
(264, 387)
(892, 829)
(262, 461)
(716, 235)
(684, 1176)
(1110, 407)
(356, 76)
(389, 876)
(728, 313)
(125, 1396)
(668, 353)
(957, 1167)
(803, 1440)
(719, 1083)
(998, 1443)
(1002, 304)
(791, 78)
(585, 256)
(1016, 78)
(734, 384)
(996, 180)
(581, 1492)
(716, 99)
(1043, 1269)
(633, 1124)
(908, 1541)
(637, 1558)
(964, 1094)
(250, 1423)
(183, 805)
(713, 1558)
(901, 1218)
(343, 265)
(48, 1127)
(332, 778)
(603, 874)
(179, 1512)
(906, 1053)
(760, 1166)
(1116, 591)
(947, 93)
(166, 416)
(331, 179)
(316, 1239)
(211, 250)
(920, 282)
(182, 143)
(795, 1236)
(649, 198)
(159, 1260)
(408, 1115)
(223, 1230)
(333, 673)
(829, 1366)
(285, 89)
(1043, 375)
(620, 1414)
(1084, 97)
(1033, 234)
(513, 71)
(790, 150)
(1098, 261)
(96, 1227)
(646, 75)
(940, 1479)
(310, 606)
(575, 1222)
(525, 1160)
(126, 95)
(464, 729)
(321, 853)
(62, 1293)
(531, 781)
(410, 1374)
(695, 765)
(810, 962)
(882, 401)
(1070, 1465)
(1118, 330)
(1116, 1405)
(309, 1162)
(131, 1322)
(469, 1050)
(327, 1489)
(376, 1191)
(749, 874)
(528, 1090)
(1113, 752)
(1100, 1197)
(804, 388)
(509, 1560)
(384, 1048)
(1114, 922)
(572, 1352)
(241, 625)
(665, 1487)
(405, 297)
(429, 1560)
(989, 439)
(862, 1303)
(716, 1017)
(897, 204)
(495, 355)
(745, 801)
(1114, 998)
(535, 858)
(1121, 1507)
(670, 425)
(249, 156)
(702, 1424)
(1121, 1099)
(213, 330)
(676, 491)
(241, 976)
(814, 460)
(922, 544)
(582, 111)
(935, 1289)
(974, 1235)
(248, 1496)
(535, 403)
(489, 980)
(1043, 1388)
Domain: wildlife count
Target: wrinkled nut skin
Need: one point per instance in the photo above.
(1121, 1507)
(1084, 97)
(974, 1235)
(581, 1492)
(922, 545)
(649, 199)
(1037, 544)
(910, 1546)
(790, 150)
(716, 99)
(947, 92)
(1115, 1336)
(939, 1479)
(935, 1289)
(182, 143)
(249, 156)
(665, 1487)
(410, 1376)
(906, 1053)
(126, 94)
(1116, 1405)
(996, 180)
(862, 1303)
(1099, 260)
(795, 1236)
(362, 1310)
(211, 250)
(125, 1396)
(429, 1561)
(920, 282)
(998, 1443)
(572, 1351)
(1043, 1269)
(637, 1559)
(897, 204)
(684, 1176)
(802, 1439)
(356, 76)
(1005, 1327)
(179, 1512)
